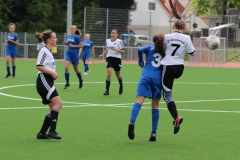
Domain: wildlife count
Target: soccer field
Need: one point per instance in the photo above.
(94, 126)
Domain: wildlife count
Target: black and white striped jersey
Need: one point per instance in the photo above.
(176, 46)
(45, 58)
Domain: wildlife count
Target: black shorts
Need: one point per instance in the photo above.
(45, 87)
(169, 73)
(113, 62)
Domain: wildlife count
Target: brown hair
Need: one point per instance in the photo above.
(158, 41)
(11, 24)
(179, 24)
(78, 32)
(39, 37)
(44, 36)
(114, 30)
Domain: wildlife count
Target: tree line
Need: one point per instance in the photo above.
(38, 15)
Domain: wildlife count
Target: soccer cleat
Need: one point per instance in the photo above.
(120, 90)
(13, 75)
(54, 135)
(153, 136)
(81, 83)
(42, 136)
(66, 86)
(8, 75)
(131, 133)
(176, 124)
(106, 93)
(85, 73)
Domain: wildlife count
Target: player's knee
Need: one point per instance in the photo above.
(167, 95)
(66, 69)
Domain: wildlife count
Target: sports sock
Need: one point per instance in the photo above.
(155, 117)
(120, 81)
(67, 77)
(172, 109)
(46, 124)
(13, 69)
(86, 67)
(108, 82)
(135, 110)
(8, 70)
(54, 118)
(79, 76)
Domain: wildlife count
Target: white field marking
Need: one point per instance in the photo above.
(93, 105)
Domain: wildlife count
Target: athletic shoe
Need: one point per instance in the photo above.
(8, 75)
(81, 83)
(85, 73)
(106, 93)
(42, 136)
(153, 136)
(131, 133)
(176, 124)
(66, 86)
(120, 90)
(54, 135)
(13, 75)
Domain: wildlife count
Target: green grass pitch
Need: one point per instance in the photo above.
(95, 127)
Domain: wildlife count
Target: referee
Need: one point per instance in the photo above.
(114, 51)
(45, 85)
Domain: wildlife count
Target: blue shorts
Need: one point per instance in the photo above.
(11, 52)
(86, 57)
(149, 88)
(73, 58)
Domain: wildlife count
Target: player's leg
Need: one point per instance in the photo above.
(155, 118)
(84, 63)
(117, 68)
(13, 66)
(57, 105)
(168, 74)
(78, 75)
(109, 65)
(67, 74)
(8, 58)
(46, 124)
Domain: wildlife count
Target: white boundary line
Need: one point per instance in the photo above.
(116, 105)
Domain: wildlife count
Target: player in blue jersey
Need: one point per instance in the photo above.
(149, 85)
(87, 51)
(74, 42)
(12, 50)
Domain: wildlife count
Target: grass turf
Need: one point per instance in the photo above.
(95, 127)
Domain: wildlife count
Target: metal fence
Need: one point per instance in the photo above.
(98, 22)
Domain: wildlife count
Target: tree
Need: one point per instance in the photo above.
(119, 4)
(217, 7)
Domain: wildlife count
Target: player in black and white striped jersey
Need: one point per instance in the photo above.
(114, 51)
(45, 85)
(176, 46)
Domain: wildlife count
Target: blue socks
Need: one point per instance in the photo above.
(155, 117)
(67, 78)
(135, 110)
(13, 69)
(86, 67)
(8, 70)
(79, 76)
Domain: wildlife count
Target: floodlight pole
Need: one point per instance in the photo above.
(69, 15)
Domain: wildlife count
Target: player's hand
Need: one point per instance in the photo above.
(6, 40)
(114, 49)
(100, 56)
(141, 64)
(55, 76)
(70, 45)
(93, 55)
(64, 42)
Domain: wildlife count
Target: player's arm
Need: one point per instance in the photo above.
(191, 49)
(16, 42)
(120, 46)
(47, 71)
(79, 45)
(93, 52)
(141, 50)
(104, 52)
(80, 51)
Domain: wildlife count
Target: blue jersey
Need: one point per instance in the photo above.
(14, 37)
(75, 40)
(87, 45)
(152, 66)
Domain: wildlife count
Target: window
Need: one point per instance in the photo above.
(151, 6)
(134, 6)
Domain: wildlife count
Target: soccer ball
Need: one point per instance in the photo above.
(212, 42)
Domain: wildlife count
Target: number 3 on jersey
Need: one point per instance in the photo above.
(177, 46)
(158, 59)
